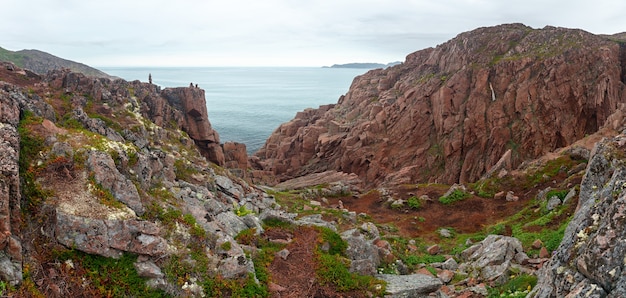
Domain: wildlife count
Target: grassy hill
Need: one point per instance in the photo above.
(42, 62)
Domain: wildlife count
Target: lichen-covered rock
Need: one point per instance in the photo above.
(109, 238)
(413, 285)
(590, 260)
(491, 259)
(106, 174)
(10, 196)
(362, 252)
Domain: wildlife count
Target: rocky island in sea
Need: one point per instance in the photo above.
(490, 165)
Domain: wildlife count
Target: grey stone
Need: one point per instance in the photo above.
(85, 234)
(553, 202)
(231, 223)
(450, 264)
(253, 222)
(453, 188)
(10, 271)
(235, 267)
(493, 257)
(148, 269)
(445, 233)
(272, 214)
(570, 195)
(315, 220)
(370, 230)
(363, 253)
(61, 149)
(226, 186)
(96, 125)
(414, 285)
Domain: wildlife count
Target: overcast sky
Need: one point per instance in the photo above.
(273, 32)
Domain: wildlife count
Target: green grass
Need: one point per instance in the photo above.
(184, 170)
(337, 246)
(30, 146)
(414, 203)
(549, 170)
(17, 58)
(561, 194)
(333, 268)
(517, 287)
(413, 260)
(112, 277)
(456, 196)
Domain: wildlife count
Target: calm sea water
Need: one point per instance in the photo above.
(246, 104)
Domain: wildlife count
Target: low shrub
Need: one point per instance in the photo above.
(414, 203)
(455, 196)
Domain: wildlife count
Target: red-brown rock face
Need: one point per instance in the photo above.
(449, 113)
(192, 103)
(183, 108)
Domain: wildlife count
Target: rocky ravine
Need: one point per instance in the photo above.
(113, 168)
(449, 113)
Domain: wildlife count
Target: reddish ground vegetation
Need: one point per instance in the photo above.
(295, 276)
(468, 216)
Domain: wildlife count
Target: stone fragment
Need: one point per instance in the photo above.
(446, 276)
(433, 249)
(413, 285)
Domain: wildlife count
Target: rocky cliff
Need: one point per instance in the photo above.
(449, 113)
(116, 169)
(591, 258)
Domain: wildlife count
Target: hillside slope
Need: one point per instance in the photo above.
(449, 113)
(42, 62)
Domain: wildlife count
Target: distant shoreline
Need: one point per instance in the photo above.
(363, 65)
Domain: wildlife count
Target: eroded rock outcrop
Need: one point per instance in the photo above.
(449, 113)
(10, 198)
(183, 108)
(109, 173)
(591, 258)
(196, 123)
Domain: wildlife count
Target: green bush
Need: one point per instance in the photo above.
(561, 194)
(414, 203)
(455, 196)
(276, 223)
(241, 210)
(333, 268)
(413, 260)
(518, 287)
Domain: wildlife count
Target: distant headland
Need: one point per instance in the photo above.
(363, 65)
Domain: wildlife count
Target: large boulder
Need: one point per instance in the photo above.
(109, 238)
(362, 251)
(491, 260)
(409, 286)
(107, 175)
